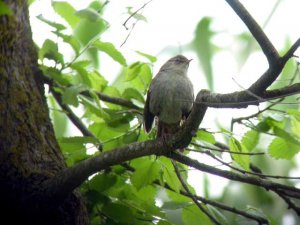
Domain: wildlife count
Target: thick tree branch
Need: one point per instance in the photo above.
(243, 99)
(276, 63)
(64, 182)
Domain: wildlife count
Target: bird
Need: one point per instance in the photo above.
(169, 98)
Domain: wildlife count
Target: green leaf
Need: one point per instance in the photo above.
(203, 47)
(131, 93)
(58, 118)
(110, 50)
(146, 174)
(88, 13)
(70, 94)
(102, 182)
(83, 75)
(163, 222)
(285, 135)
(94, 109)
(57, 26)
(175, 205)
(109, 136)
(242, 160)
(118, 212)
(282, 149)
(5, 9)
(192, 215)
(69, 39)
(98, 82)
(263, 126)
(130, 137)
(55, 74)
(112, 91)
(73, 152)
(169, 175)
(145, 77)
(218, 215)
(295, 125)
(49, 50)
(250, 139)
(66, 11)
(80, 64)
(206, 136)
(149, 57)
(139, 79)
(87, 30)
(133, 71)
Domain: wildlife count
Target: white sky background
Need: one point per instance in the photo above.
(172, 23)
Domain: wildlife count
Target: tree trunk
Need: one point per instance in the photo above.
(29, 153)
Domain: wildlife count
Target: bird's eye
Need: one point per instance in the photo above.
(178, 61)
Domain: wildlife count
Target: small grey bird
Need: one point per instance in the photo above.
(170, 97)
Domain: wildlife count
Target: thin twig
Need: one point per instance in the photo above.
(249, 172)
(225, 150)
(115, 100)
(103, 97)
(75, 120)
(290, 203)
(195, 200)
(269, 185)
(133, 25)
(134, 13)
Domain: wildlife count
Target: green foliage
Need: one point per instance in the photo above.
(192, 215)
(206, 136)
(67, 12)
(242, 160)
(203, 47)
(147, 190)
(146, 172)
(110, 49)
(250, 140)
(283, 149)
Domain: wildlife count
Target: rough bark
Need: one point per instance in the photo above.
(29, 153)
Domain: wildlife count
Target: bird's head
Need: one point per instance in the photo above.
(178, 64)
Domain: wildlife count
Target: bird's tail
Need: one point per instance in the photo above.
(165, 130)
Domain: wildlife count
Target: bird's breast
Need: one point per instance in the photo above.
(171, 97)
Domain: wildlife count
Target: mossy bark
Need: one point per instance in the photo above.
(29, 153)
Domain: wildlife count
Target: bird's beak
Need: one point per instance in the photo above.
(189, 61)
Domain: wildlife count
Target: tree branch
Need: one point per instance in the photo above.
(242, 99)
(259, 219)
(106, 98)
(268, 185)
(64, 182)
(67, 180)
(195, 200)
(71, 115)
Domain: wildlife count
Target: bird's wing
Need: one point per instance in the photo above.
(148, 116)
